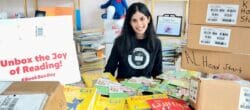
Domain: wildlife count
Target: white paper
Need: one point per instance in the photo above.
(29, 55)
(219, 37)
(244, 101)
(108, 49)
(23, 102)
(4, 85)
(222, 13)
(112, 29)
(169, 25)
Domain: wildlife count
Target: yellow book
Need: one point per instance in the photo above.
(140, 102)
(79, 98)
(91, 78)
(104, 103)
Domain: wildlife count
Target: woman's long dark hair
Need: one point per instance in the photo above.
(128, 35)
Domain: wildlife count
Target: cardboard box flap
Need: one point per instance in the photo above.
(32, 87)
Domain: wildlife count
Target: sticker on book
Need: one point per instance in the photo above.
(244, 101)
(218, 37)
(115, 88)
(222, 14)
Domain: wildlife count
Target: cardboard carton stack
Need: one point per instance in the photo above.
(218, 42)
(218, 37)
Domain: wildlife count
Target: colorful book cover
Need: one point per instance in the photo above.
(116, 90)
(102, 86)
(167, 104)
(173, 90)
(104, 103)
(140, 102)
(91, 78)
(79, 98)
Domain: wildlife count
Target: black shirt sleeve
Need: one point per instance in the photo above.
(157, 69)
(113, 60)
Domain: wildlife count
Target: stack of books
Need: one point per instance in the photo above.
(90, 50)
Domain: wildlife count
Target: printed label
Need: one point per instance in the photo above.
(40, 31)
(222, 14)
(4, 85)
(215, 36)
(193, 91)
(244, 102)
(103, 82)
(115, 88)
(26, 102)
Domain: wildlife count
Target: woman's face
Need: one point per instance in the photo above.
(139, 23)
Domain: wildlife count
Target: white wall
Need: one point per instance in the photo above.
(91, 12)
(90, 9)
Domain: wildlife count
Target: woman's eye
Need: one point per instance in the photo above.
(133, 20)
(142, 19)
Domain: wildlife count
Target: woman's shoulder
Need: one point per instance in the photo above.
(157, 40)
(118, 39)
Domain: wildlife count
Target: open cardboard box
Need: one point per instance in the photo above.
(213, 94)
(54, 90)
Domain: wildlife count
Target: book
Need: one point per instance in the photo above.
(91, 78)
(78, 98)
(168, 104)
(105, 103)
(140, 102)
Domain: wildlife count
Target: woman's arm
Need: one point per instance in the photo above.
(113, 60)
(157, 69)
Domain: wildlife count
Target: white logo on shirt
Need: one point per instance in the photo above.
(139, 59)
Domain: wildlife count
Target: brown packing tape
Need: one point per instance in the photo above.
(56, 100)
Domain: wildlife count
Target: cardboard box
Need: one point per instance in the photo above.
(218, 38)
(216, 62)
(219, 95)
(56, 99)
(220, 12)
(59, 11)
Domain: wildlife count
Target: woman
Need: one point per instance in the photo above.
(137, 51)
